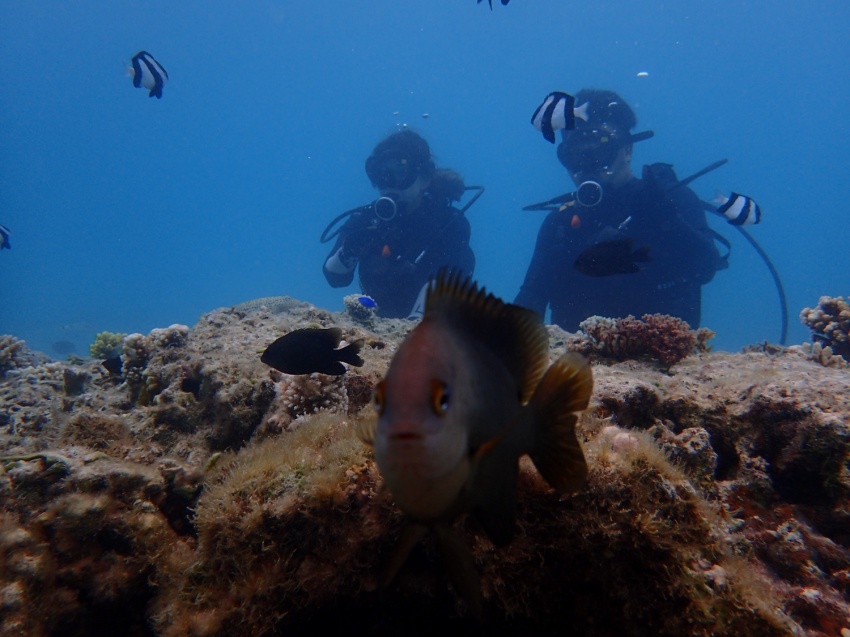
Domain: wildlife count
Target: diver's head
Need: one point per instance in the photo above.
(399, 161)
(400, 168)
(600, 149)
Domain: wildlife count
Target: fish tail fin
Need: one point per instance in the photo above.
(564, 390)
(349, 353)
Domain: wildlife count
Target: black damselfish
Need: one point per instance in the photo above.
(312, 350)
(611, 257)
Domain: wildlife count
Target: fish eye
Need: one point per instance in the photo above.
(439, 397)
(378, 398)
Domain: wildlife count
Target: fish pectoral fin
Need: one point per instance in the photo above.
(410, 537)
(490, 491)
(556, 452)
(460, 565)
(331, 368)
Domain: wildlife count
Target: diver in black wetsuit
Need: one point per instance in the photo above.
(412, 230)
(612, 218)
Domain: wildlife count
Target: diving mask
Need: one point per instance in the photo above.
(392, 171)
(594, 151)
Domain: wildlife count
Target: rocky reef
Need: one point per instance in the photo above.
(195, 491)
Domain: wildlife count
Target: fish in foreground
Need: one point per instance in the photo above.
(312, 349)
(556, 112)
(147, 72)
(5, 233)
(617, 256)
(467, 393)
(490, 2)
(739, 210)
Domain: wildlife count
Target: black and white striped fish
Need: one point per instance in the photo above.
(739, 210)
(557, 111)
(149, 73)
(5, 233)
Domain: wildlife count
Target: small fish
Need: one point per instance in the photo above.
(367, 301)
(63, 347)
(149, 73)
(490, 2)
(311, 350)
(557, 111)
(466, 394)
(642, 74)
(113, 365)
(611, 257)
(5, 233)
(739, 210)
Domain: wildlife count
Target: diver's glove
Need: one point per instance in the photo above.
(339, 264)
(359, 239)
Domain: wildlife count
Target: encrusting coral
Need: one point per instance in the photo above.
(666, 339)
(830, 325)
(202, 493)
(13, 354)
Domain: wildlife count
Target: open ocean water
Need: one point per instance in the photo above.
(130, 213)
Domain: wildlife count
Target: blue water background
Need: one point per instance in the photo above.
(131, 213)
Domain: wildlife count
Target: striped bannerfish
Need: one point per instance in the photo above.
(148, 73)
(556, 112)
(739, 210)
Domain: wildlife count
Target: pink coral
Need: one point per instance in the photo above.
(655, 336)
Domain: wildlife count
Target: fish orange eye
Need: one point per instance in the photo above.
(439, 397)
(378, 398)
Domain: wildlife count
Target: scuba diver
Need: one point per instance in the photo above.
(618, 245)
(412, 230)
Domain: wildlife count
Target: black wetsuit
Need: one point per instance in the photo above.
(671, 224)
(398, 257)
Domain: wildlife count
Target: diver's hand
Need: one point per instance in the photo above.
(358, 241)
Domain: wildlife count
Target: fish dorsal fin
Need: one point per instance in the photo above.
(332, 335)
(515, 335)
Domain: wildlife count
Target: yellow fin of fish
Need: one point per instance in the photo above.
(556, 452)
(514, 334)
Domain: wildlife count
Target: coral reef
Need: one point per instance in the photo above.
(666, 339)
(107, 345)
(361, 308)
(202, 493)
(830, 325)
(14, 354)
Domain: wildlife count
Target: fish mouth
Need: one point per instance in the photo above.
(406, 436)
